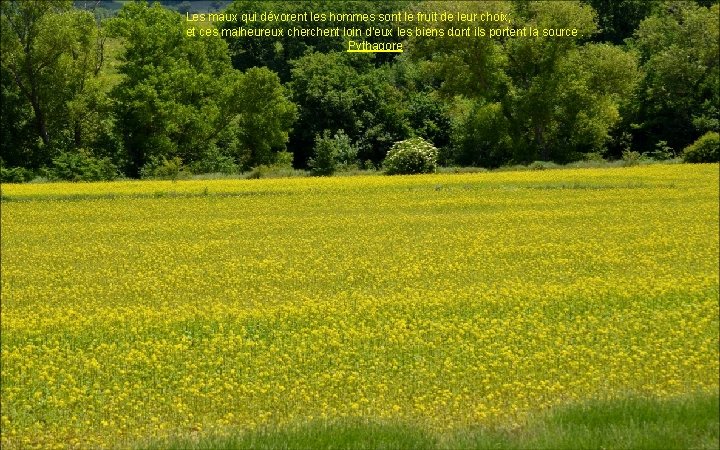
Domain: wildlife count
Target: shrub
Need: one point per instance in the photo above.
(81, 165)
(631, 158)
(368, 165)
(596, 157)
(283, 160)
(214, 161)
(281, 168)
(662, 152)
(163, 168)
(15, 174)
(411, 156)
(323, 162)
(705, 150)
(541, 165)
(272, 171)
(333, 153)
(347, 153)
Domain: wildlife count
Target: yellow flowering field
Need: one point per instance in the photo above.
(137, 311)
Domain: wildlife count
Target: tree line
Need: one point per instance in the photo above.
(91, 95)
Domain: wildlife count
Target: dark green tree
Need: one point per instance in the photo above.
(338, 91)
(180, 96)
(679, 97)
(17, 128)
(554, 98)
(50, 53)
(483, 137)
(264, 114)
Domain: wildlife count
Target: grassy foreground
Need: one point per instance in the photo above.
(136, 312)
(688, 422)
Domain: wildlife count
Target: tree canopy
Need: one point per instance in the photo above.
(136, 92)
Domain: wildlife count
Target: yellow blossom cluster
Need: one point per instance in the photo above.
(134, 311)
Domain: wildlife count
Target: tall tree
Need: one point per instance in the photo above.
(680, 93)
(17, 128)
(544, 97)
(264, 114)
(467, 66)
(49, 51)
(180, 96)
(535, 67)
(337, 91)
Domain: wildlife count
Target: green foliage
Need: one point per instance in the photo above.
(472, 67)
(167, 102)
(81, 165)
(704, 150)
(595, 157)
(340, 91)
(429, 118)
(15, 174)
(679, 96)
(49, 53)
(596, 78)
(411, 156)
(164, 168)
(284, 160)
(326, 152)
(631, 158)
(18, 142)
(265, 114)
(565, 97)
(333, 153)
(180, 96)
(277, 52)
(281, 167)
(483, 137)
(662, 152)
(618, 20)
(539, 98)
(347, 152)
(214, 161)
(92, 113)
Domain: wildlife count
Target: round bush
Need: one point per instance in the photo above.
(414, 155)
(705, 150)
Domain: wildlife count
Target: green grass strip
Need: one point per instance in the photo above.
(689, 422)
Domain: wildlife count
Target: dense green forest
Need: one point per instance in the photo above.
(98, 90)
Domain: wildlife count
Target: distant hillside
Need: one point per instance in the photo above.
(111, 7)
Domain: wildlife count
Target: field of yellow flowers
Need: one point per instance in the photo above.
(136, 311)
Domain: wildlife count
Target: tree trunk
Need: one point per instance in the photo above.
(40, 123)
(540, 141)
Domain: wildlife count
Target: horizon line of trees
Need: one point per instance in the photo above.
(85, 96)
